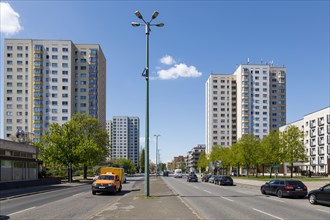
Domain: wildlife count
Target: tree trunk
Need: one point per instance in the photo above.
(291, 170)
(263, 170)
(271, 168)
(85, 172)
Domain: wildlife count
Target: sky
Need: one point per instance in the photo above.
(199, 38)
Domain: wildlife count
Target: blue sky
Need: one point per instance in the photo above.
(199, 38)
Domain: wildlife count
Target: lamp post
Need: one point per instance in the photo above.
(145, 73)
(157, 135)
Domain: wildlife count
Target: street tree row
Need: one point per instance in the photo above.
(250, 152)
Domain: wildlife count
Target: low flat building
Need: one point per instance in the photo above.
(19, 161)
(316, 129)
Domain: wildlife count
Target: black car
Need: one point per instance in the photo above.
(224, 180)
(285, 188)
(192, 178)
(321, 195)
(206, 177)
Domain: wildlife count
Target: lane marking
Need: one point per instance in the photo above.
(323, 210)
(22, 211)
(227, 199)
(207, 191)
(267, 214)
(195, 187)
(274, 199)
(78, 194)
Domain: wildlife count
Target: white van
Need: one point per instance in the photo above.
(178, 173)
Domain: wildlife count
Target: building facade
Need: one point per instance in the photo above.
(108, 127)
(125, 138)
(50, 80)
(316, 129)
(252, 100)
(193, 156)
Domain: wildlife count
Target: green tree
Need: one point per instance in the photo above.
(272, 150)
(127, 164)
(202, 161)
(249, 145)
(293, 146)
(78, 141)
(142, 156)
(236, 156)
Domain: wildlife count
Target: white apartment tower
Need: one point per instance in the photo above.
(50, 80)
(316, 129)
(125, 138)
(252, 100)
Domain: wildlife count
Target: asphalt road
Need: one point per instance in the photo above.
(67, 203)
(242, 202)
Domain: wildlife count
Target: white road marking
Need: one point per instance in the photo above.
(267, 214)
(323, 210)
(78, 194)
(207, 191)
(22, 211)
(227, 199)
(274, 199)
(195, 187)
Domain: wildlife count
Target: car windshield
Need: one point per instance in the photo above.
(105, 177)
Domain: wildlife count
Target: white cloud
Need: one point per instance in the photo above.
(179, 70)
(168, 60)
(9, 19)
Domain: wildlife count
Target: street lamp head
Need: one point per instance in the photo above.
(135, 24)
(160, 25)
(138, 14)
(154, 15)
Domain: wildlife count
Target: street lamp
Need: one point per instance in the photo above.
(145, 73)
(157, 135)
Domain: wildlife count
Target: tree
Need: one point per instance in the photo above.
(202, 161)
(142, 156)
(272, 149)
(249, 145)
(78, 141)
(127, 164)
(293, 147)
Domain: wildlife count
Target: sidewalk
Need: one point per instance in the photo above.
(163, 203)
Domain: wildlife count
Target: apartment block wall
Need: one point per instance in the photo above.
(125, 135)
(48, 81)
(252, 100)
(316, 129)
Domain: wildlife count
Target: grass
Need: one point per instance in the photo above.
(267, 178)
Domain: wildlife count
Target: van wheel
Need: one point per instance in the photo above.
(93, 192)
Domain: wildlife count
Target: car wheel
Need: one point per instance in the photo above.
(312, 199)
(263, 191)
(93, 192)
(279, 194)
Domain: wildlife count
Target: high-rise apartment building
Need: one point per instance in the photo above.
(50, 80)
(252, 100)
(125, 138)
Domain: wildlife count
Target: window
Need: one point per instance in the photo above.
(65, 49)
(54, 49)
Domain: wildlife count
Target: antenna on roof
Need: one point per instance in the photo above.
(248, 61)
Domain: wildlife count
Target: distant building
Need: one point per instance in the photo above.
(108, 127)
(193, 156)
(316, 129)
(179, 162)
(49, 81)
(125, 138)
(252, 100)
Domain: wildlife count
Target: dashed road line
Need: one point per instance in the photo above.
(207, 191)
(22, 211)
(227, 199)
(267, 214)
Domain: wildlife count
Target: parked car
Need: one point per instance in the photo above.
(178, 173)
(285, 188)
(192, 178)
(206, 177)
(321, 195)
(212, 178)
(224, 180)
